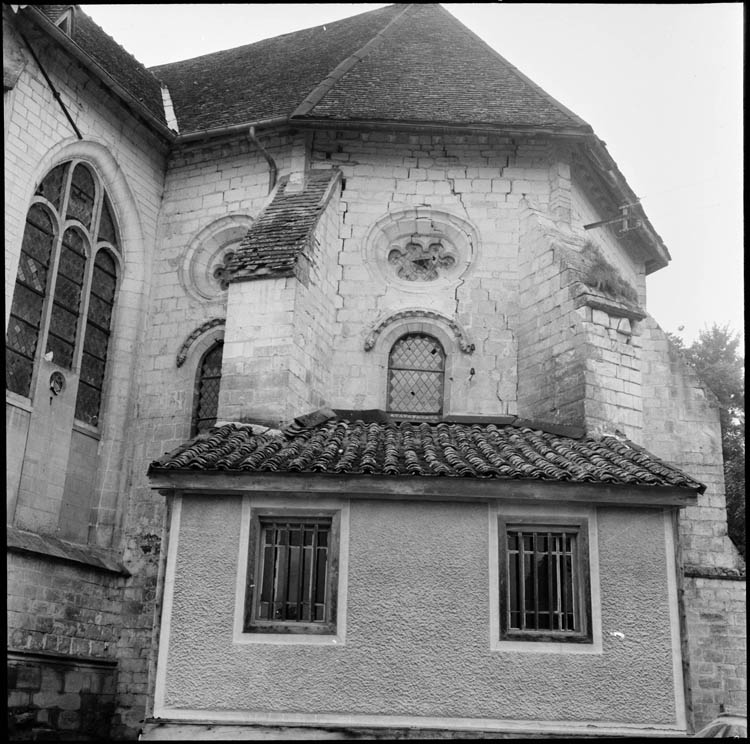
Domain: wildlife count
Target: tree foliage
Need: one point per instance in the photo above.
(715, 359)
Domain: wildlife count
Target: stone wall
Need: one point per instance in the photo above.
(63, 629)
(54, 697)
(479, 180)
(59, 607)
(716, 621)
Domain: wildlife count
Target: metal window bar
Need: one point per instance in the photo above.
(294, 571)
(530, 566)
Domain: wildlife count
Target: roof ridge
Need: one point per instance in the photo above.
(317, 94)
(518, 72)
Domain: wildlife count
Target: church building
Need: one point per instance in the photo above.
(334, 407)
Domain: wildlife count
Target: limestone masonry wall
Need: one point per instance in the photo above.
(479, 179)
(56, 607)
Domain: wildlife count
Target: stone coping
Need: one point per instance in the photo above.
(100, 559)
(715, 572)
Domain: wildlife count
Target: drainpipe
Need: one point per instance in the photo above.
(272, 169)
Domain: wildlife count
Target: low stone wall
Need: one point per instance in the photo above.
(59, 698)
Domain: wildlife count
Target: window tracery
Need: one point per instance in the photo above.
(62, 304)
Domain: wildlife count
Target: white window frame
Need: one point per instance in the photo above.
(543, 514)
(261, 504)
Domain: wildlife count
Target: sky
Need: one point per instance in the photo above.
(660, 84)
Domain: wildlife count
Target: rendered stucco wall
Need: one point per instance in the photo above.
(418, 627)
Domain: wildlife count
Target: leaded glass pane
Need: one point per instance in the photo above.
(107, 224)
(209, 381)
(67, 300)
(28, 300)
(415, 376)
(96, 340)
(417, 352)
(52, 186)
(81, 198)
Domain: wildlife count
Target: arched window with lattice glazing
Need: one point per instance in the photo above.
(207, 383)
(416, 376)
(66, 286)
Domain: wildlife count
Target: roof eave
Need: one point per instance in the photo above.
(196, 482)
(98, 71)
(232, 129)
(438, 127)
(614, 180)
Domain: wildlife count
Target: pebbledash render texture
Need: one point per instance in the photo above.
(354, 303)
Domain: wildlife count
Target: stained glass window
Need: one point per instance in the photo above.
(28, 300)
(63, 326)
(82, 195)
(416, 370)
(107, 230)
(207, 389)
(55, 281)
(53, 184)
(96, 341)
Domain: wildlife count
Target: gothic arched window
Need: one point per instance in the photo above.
(416, 371)
(65, 287)
(208, 381)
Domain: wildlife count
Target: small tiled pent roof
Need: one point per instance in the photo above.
(405, 63)
(452, 450)
(283, 229)
(122, 66)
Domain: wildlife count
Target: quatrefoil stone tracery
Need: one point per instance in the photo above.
(221, 273)
(417, 262)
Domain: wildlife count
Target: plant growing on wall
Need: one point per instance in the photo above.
(601, 275)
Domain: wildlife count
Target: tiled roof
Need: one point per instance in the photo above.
(119, 64)
(428, 67)
(453, 450)
(283, 228)
(406, 62)
(267, 79)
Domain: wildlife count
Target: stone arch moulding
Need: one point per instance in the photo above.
(420, 321)
(200, 331)
(122, 201)
(421, 249)
(205, 254)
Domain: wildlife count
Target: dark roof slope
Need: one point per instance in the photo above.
(429, 67)
(267, 79)
(406, 63)
(123, 67)
(446, 449)
(283, 228)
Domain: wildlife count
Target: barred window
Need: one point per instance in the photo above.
(293, 574)
(416, 371)
(208, 381)
(544, 582)
(62, 306)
